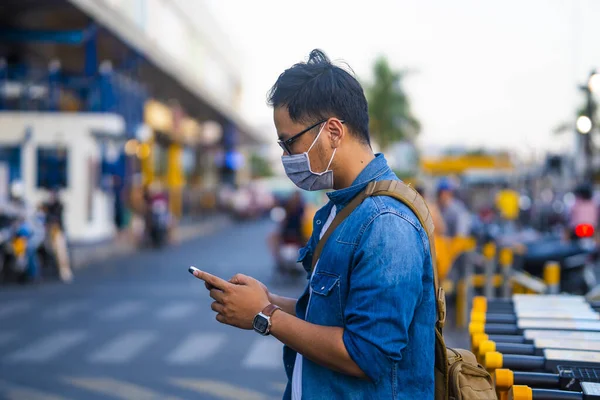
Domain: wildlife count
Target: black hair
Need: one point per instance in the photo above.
(317, 89)
(584, 191)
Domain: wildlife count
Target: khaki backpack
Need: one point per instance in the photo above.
(457, 372)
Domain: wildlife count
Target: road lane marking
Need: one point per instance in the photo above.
(117, 389)
(177, 310)
(196, 348)
(122, 310)
(280, 387)
(6, 337)
(7, 310)
(10, 391)
(124, 348)
(266, 352)
(221, 390)
(65, 310)
(49, 347)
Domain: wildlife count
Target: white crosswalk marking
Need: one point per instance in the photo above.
(10, 309)
(178, 310)
(122, 310)
(10, 391)
(196, 348)
(220, 390)
(49, 347)
(266, 352)
(117, 389)
(65, 310)
(6, 337)
(124, 348)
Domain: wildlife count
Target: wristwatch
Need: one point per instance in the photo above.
(262, 321)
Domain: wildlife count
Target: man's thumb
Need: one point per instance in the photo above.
(240, 279)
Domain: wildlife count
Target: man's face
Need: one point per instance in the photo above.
(286, 128)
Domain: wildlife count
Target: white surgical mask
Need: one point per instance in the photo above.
(297, 168)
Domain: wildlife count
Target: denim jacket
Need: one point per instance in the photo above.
(375, 280)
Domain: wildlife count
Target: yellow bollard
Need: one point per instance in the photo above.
(506, 264)
(476, 327)
(493, 361)
(477, 316)
(520, 392)
(461, 304)
(552, 277)
(480, 304)
(486, 346)
(489, 251)
(476, 340)
(504, 379)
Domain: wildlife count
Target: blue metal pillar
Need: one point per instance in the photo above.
(3, 80)
(91, 51)
(106, 85)
(53, 85)
(229, 168)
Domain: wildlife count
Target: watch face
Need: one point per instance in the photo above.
(260, 324)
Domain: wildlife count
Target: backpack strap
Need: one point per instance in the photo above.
(416, 203)
(339, 218)
(413, 200)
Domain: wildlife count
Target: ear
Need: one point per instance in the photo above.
(336, 131)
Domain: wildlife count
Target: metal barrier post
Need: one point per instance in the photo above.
(489, 252)
(552, 277)
(467, 286)
(506, 264)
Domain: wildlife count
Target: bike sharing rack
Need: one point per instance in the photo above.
(539, 346)
(494, 274)
(537, 343)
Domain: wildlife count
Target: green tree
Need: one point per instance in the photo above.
(260, 167)
(389, 107)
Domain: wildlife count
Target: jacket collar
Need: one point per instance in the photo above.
(376, 168)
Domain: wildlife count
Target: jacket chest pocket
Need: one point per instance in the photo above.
(325, 300)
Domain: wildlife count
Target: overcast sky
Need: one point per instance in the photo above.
(491, 73)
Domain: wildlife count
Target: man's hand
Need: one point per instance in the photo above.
(235, 282)
(236, 302)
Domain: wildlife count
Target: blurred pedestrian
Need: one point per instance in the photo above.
(55, 229)
(436, 215)
(456, 217)
(584, 210)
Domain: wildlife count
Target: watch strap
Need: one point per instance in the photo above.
(270, 309)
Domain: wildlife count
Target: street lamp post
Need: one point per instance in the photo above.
(586, 122)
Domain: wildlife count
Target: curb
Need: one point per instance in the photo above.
(81, 258)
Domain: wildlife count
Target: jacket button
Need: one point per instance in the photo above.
(323, 288)
(318, 222)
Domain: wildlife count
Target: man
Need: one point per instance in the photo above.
(455, 214)
(364, 326)
(584, 210)
(290, 230)
(436, 215)
(56, 230)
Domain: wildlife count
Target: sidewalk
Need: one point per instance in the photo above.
(84, 254)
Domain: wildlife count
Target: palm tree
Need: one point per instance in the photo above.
(389, 108)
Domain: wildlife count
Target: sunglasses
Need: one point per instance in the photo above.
(285, 144)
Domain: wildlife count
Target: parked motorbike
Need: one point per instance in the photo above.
(288, 245)
(5, 240)
(15, 255)
(577, 256)
(288, 256)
